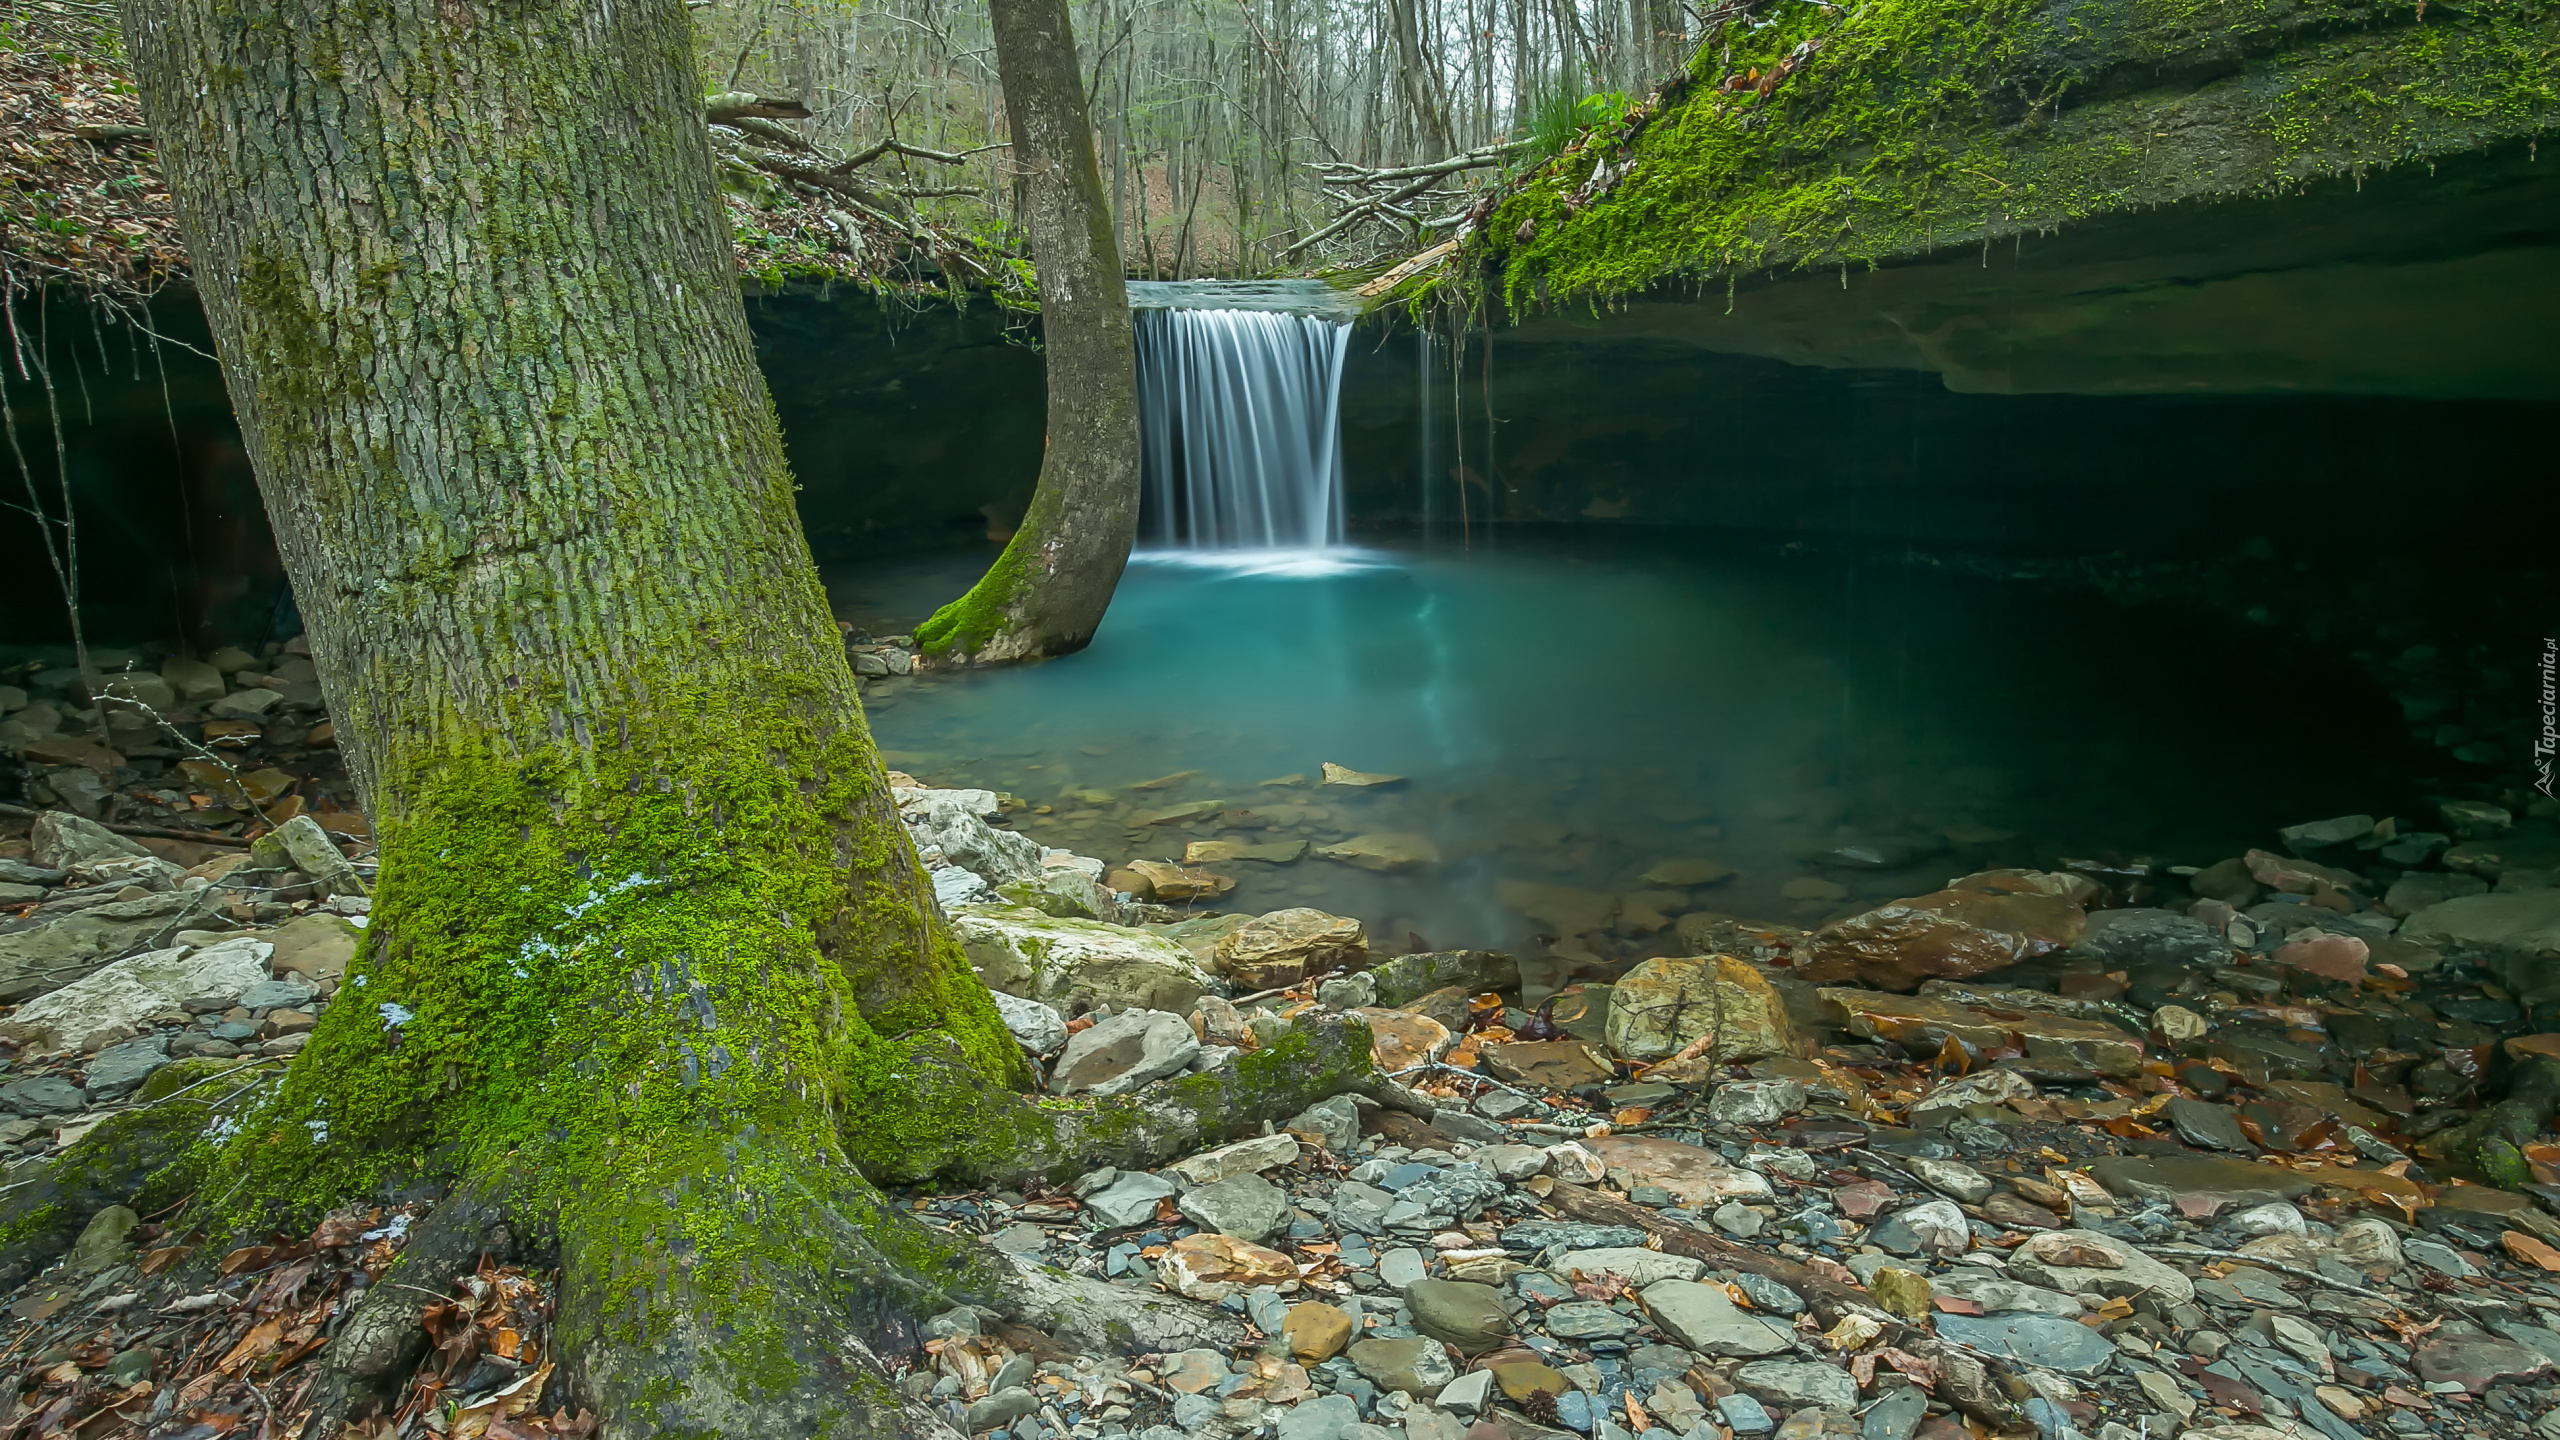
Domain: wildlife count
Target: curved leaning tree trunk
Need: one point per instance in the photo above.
(653, 967)
(1046, 593)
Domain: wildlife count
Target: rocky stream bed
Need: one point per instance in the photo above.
(2248, 1147)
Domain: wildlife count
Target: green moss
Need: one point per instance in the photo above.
(1901, 126)
(964, 626)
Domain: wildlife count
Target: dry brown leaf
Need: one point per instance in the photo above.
(2526, 1248)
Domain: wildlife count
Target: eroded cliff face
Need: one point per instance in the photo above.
(2081, 196)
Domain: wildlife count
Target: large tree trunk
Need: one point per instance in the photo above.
(1046, 593)
(652, 961)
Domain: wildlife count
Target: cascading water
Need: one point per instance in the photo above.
(1239, 391)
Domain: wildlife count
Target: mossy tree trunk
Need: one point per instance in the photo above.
(1046, 593)
(652, 955)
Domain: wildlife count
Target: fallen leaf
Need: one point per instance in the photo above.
(2525, 1247)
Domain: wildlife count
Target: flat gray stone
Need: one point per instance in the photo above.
(119, 1070)
(1997, 1293)
(1418, 1366)
(1706, 1320)
(1245, 1206)
(1896, 1415)
(1798, 1384)
(1129, 1200)
(1952, 1178)
(1587, 1320)
(1320, 1419)
(2047, 1341)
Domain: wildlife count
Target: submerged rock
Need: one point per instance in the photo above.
(1952, 933)
(1922, 1026)
(1385, 851)
(1408, 978)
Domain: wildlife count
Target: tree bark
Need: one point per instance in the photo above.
(1045, 595)
(651, 941)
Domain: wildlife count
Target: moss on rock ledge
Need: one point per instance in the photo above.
(1902, 127)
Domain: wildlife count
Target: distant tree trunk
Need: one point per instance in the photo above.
(1419, 74)
(1045, 595)
(653, 968)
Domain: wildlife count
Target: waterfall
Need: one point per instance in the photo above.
(1240, 415)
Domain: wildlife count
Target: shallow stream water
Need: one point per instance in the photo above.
(1574, 711)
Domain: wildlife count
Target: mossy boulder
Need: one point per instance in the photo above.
(1077, 965)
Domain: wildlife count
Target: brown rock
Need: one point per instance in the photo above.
(1316, 1332)
(2299, 877)
(1221, 852)
(1695, 1177)
(2019, 1213)
(1704, 932)
(1953, 933)
(1566, 910)
(1547, 1064)
(1399, 1040)
(1923, 1026)
(1657, 1009)
(1448, 1006)
(1208, 1266)
(2051, 1197)
(1168, 881)
(1286, 946)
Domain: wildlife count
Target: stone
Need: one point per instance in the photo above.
(1754, 1102)
(1660, 1007)
(1737, 1219)
(1953, 934)
(1902, 1293)
(1244, 1157)
(42, 1096)
(1129, 1200)
(2165, 1393)
(1521, 1379)
(1316, 1331)
(2170, 1177)
(1400, 1040)
(101, 1244)
(2325, 834)
(1333, 1121)
(1574, 1164)
(119, 1069)
(316, 947)
(276, 995)
(1798, 1384)
(1228, 852)
(1351, 992)
(2047, 1341)
(1055, 890)
(1767, 1294)
(1124, 1052)
(1189, 1372)
(1077, 964)
(2511, 926)
(1245, 1206)
(300, 844)
(2472, 1361)
(1386, 852)
(2203, 1123)
(1512, 1163)
(1995, 1293)
(2299, 877)
(245, 704)
(1035, 1027)
(1286, 946)
(1547, 1064)
(2177, 1024)
(1212, 1267)
(1001, 1408)
(1922, 1026)
(1896, 1415)
(1934, 1228)
(1469, 1394)
(2278, 1218)
(1744, 1415)
(1579, 1322)
(2045, 1260)
(1705, 1319)
(1561, 909)
(1408, 978)
(1638, 1266)
(1953, 1098)
(1465, 1314)
(1951, 1178)
(1326, 1417)
(63, 841)
(1696, 1177)
(2369, 1245)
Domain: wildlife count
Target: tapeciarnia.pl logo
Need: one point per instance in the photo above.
(2546, 744)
